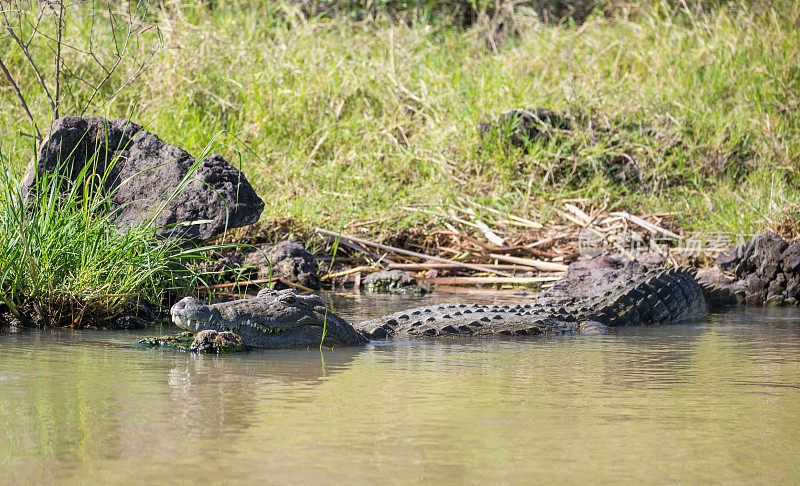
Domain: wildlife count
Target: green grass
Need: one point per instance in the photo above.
(337, 120)
(63, 261)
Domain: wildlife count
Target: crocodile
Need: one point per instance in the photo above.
(277, 319)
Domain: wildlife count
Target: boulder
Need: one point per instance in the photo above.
(756, 299)
(753, 283)
(766, 267)
(790, 258)
(777, 285)
(288, 260)
(149, 178)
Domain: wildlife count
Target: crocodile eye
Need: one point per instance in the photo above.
(289, 299)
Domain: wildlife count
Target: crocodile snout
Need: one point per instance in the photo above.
(188, 310)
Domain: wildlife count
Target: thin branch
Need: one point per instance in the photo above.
(58, 59)
(124, 85)
(35, 29)
(21, 98)
(27, 55)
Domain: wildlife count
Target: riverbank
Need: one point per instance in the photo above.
(679, 128)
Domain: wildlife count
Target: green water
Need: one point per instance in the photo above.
(717, 401)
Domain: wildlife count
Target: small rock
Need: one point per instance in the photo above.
(210, 341)
(753, 284)
(777, 285)
(755, 299)
(790, 302)
(793, 287)
(774, 301)
(288, 260)
(392, 281)
(523, 126)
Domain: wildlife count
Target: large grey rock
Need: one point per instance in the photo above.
(765, 267)
(143, 173)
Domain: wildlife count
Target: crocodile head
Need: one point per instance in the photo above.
(273, 319)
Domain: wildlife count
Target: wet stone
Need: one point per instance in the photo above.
(756, 299)
(210, 341)
(774, 301)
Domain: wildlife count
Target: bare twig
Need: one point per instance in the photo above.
(547, 266)
(58, 58)
(349, 271)
(27, 54)
(258, 282)
(21, 98)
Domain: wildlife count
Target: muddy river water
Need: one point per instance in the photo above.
(717, 400)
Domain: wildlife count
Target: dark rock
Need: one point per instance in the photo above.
(777, 285)
(768, 248)
(587, 278)
(523, 126)
(790, 258)
(752, 255)
(793, 287)
(753, 283)
(755, 299)
(210, 341)
(130, 322)
(393, 281)
(76, 141)
(288, 260)
(142, 172)
(774, 301)
(137, 316)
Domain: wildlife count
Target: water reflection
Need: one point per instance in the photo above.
(216, 396)
(714, 400)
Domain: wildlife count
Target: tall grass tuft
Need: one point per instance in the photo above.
(64, 262)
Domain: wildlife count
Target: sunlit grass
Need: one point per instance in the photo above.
(338, 120)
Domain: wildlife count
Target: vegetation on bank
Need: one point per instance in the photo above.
(335, 120)
(341, 115)
(64, 261)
